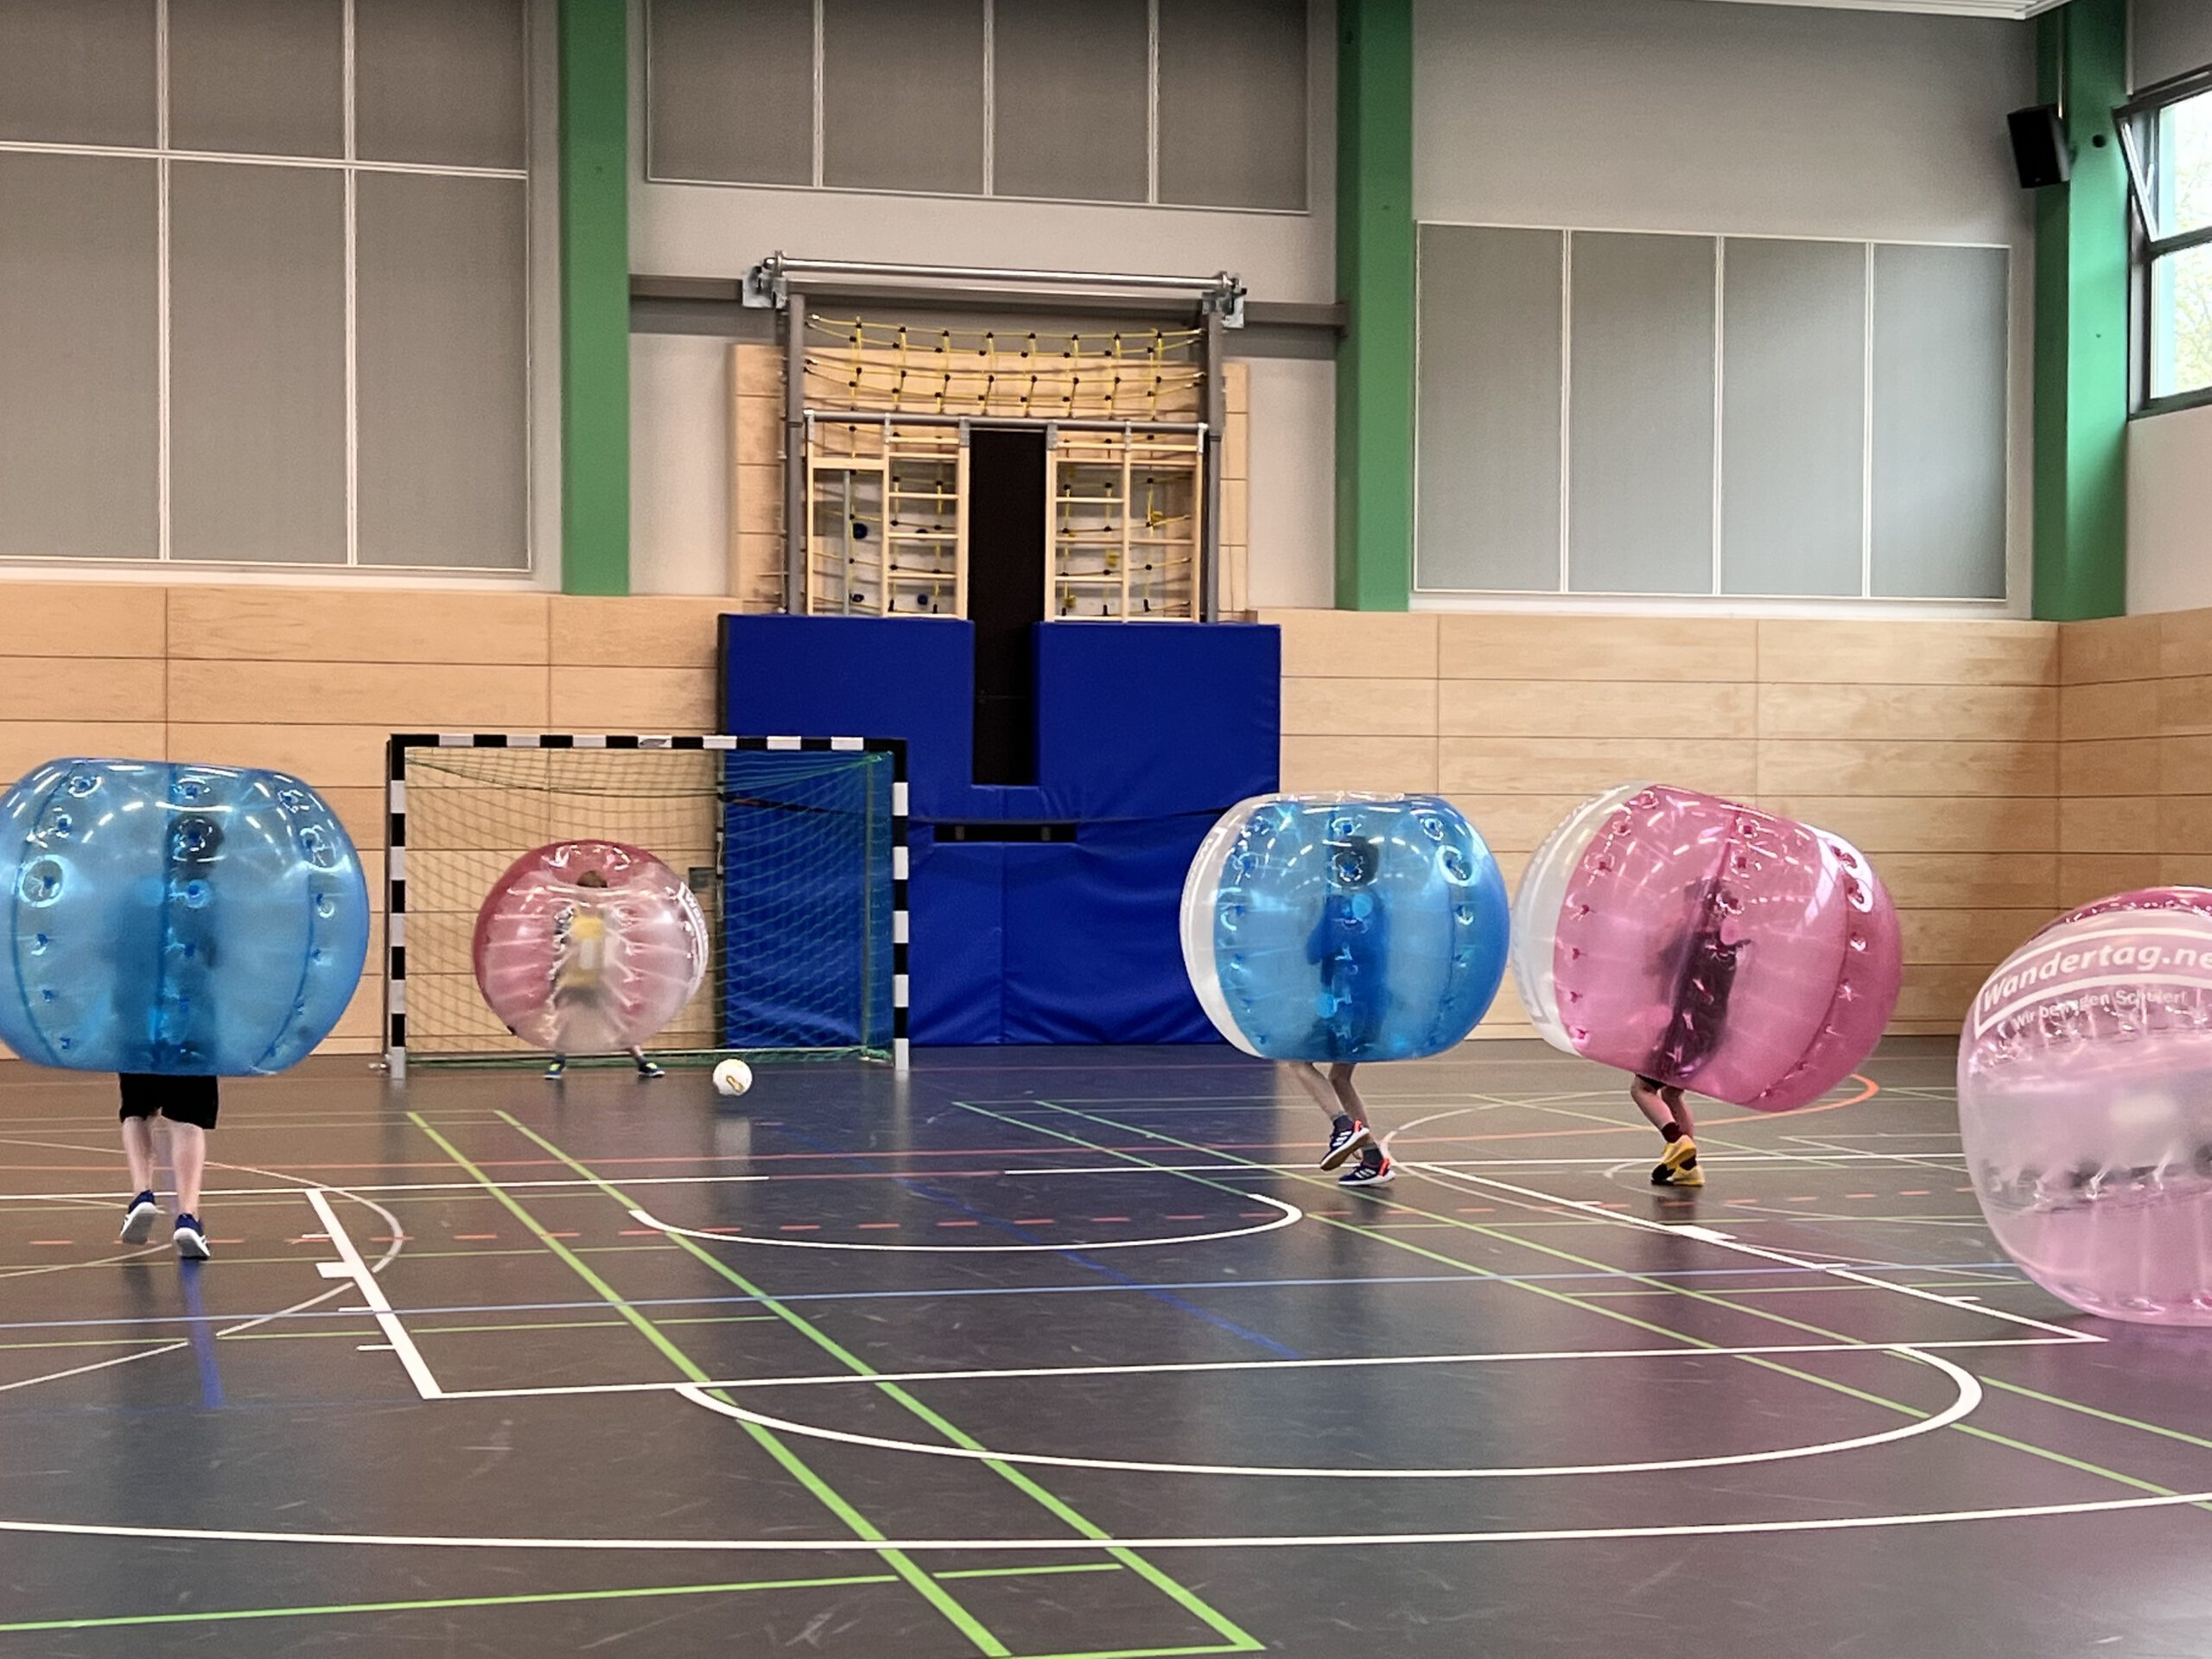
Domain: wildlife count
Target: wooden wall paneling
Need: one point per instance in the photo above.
(1519, 646)
(1574, 710)
(25, 745)
(1914, 713)
(1546, 766)
(103, 621)
(1357, 645)
(1320, 707)
(1908, 653)
(346, 625)
(330, 757)
(642, 631)
(2108, 709)
(127, 689)
(1831, 766)
(2111, 767)
(2110, 648)
(2084, 877)
(2110, 823)
(1968, 823)
(391, 696)
(1405, 764)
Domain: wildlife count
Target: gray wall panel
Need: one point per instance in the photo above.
(1490, 407)
(77, 72)
(257, 77)
(1793, 418)
(902, 95)
(1640, 432)
(730, 91)
(440, 81)
(257, 364)
(442, 303)
(78, 358)
(1070, 98)
(1939, 332)
(1232, 103)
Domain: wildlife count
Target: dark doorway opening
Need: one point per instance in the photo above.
(1005, 597)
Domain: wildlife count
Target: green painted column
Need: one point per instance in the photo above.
(1375, 277)
(594, 297)
(2082, 290)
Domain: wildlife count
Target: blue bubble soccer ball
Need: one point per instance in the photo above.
(1344, 927)
(195, 921)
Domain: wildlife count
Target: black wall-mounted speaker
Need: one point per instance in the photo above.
(2039, 150)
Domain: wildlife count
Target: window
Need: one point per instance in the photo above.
(1617, 414)
(1180, 103)
(264, 282)
(2168, 134)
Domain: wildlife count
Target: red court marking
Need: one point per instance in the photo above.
(564, 1234)
(788, 1226)
(1035, 1221)
(1478, 1209)
(640, 1232)
(1123, 1219)
(226, 1241)
(872, 1226)
(1255, 1215)
(1185, 1218)
(1962, 1189)
(1859, 1195)
(1742, 1200)
(1914, 1192)
(1806, 1200)
(62, 1243)
(473, 1238)
(387, 1238)
(960, 1223)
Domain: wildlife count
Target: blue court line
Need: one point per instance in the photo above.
(1342, 1282)
(203, 1340)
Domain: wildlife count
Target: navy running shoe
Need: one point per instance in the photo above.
(1351, 1136)
(1374, 1170)
(138, 1220)
(191, 1239)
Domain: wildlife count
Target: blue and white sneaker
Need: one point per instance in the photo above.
(558, 1069)
(191, 1239)
(1351, 1136)
(1374, 1170)
(138, 1220)
(647, 1069)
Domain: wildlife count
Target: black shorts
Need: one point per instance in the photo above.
(181, 1100)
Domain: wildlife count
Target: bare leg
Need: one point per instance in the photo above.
(188, 1159)
(1680, 1109)
(1649, 1101)
(646, 1067)
(1346, 1091)
(1311, 1078)
(138, 1149)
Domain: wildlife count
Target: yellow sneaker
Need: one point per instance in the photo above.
(1679, 1166)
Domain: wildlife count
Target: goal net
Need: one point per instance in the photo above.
(794, 847)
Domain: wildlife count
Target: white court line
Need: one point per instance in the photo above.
(1707, 1234)
(859, 1379)
(1291, 1213)
(1064, 1543)
(1778, 1160)
(97, 1365)
(476, 1188)
(1968, 1396)
(351, 1266)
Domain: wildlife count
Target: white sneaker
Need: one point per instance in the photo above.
(138, 1220)
(191, 1239)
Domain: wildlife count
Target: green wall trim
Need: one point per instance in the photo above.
(2083, 294)
(1375, 277)
(594, 297)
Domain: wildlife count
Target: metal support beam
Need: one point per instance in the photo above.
(1217, 404)
(796, 506)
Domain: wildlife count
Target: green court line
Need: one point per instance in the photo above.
(1240, 1640)
(1553, 1293)
(641, 1592)
(490, 1330)
(937, 1596)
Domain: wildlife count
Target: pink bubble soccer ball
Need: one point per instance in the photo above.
(2085, 1103)
(589, 947)
(1749, 958)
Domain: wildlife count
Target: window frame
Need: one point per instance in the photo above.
(2137, 124)
(540, 547)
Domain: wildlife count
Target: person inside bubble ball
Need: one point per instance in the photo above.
(580, 963)
(188, 1105)
(1704, 977)
(1349, 946)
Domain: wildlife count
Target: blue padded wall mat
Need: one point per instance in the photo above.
(1147, 732)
